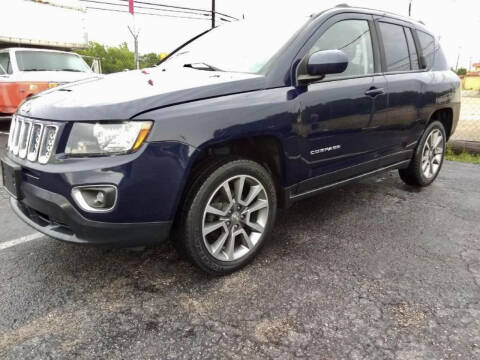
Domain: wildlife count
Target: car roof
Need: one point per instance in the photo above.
(35, 49)
(342, 8)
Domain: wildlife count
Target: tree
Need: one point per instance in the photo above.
(149, 60)
(461, 71)
(94, 50)
(118, 59)
(114, 59)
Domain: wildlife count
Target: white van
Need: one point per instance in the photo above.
(25, 72)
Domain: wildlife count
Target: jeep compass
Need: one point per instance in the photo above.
(239, 121)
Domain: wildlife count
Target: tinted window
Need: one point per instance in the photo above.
(396, 49)
(412, 50)
(427, 43)
(353, 38)
(5, 66)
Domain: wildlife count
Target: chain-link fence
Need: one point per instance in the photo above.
(468, 128)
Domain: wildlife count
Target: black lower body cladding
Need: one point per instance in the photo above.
(53, 215)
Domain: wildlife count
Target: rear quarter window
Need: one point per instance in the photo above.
(427, 45)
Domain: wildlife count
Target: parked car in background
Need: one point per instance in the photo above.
(25, 72)
(234, 124)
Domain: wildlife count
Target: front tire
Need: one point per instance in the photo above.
(428, 159)
(227, 215)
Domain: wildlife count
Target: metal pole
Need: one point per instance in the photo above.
(135, 42)
(410, 8)
(213, 14)
(137, 62)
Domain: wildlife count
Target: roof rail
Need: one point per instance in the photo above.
(342, 5)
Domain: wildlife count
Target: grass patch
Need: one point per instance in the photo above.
(462, 157)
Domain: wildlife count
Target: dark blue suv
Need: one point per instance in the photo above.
(241, 120)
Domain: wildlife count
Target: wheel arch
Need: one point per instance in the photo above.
(445, 116)
(264, 149)
(267, 150)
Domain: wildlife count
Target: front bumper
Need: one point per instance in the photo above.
(53, 215)
(149, 184)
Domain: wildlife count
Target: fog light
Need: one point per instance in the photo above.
(95, 198)
(100, 199)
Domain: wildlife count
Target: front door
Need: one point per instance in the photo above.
(338, 111)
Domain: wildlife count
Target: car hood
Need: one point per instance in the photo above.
(124, 95)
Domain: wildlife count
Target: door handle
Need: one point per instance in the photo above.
(373, 91)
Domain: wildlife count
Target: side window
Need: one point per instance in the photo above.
(5, 67)
(412, 50)
(396, 48)
(427, 43)
(353, 38)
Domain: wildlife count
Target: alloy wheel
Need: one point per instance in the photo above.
(235, 218)
(432, 154)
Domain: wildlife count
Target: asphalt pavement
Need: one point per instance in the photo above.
(373, 270)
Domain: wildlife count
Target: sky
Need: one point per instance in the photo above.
(455, 22)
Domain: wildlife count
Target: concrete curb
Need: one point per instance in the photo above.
(472, 147)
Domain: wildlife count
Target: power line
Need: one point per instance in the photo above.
(181, 7)
(143, 13)
(143, 7)
(207, 13)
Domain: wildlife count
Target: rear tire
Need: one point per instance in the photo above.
(428, 158)
(228, 213)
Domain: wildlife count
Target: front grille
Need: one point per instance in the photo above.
(33, 140)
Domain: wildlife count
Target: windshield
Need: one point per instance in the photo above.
(242, 46)
(50, 61)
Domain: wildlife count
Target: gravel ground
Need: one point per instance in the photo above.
(374, 270)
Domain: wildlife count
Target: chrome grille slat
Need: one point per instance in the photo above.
(48, 141)
(34, 143)
(16, 136)
(12, 129)
(24, 137)
(33, 140)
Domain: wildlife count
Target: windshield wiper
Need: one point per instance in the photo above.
(182, 46)
(202, 66)
(36, 70)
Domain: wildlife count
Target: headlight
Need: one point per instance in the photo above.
(107, 138)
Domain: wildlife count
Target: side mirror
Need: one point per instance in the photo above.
(321, 63)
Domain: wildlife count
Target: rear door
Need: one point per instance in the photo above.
(336, 112)
(406, 86)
